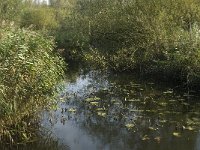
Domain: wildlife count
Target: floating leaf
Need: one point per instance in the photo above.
(196, 113)
(152, 128)
(100, 109)
(172, 100)
(188, 95)
(157, 139)
(163, 121)
(167, 112)
(102, 114)
(134, 100)
(195, 119)
(189, 128)
(113, 100)
(190, 122)
(168, 92)
(136, 110)
(176, 134)
(186, 104)
(129, 125)
(117, 103)
(135, 85)
(152, 111)
(163, 104)
(92, 99)
(25, 136)
(94, 103)
(72, 110)
(145, 138)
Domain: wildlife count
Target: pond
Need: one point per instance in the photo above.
(108, 111)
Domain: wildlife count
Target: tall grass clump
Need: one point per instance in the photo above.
(29, 74)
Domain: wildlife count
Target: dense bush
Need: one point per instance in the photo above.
(155, 36)
(29, 74)
(10, 9)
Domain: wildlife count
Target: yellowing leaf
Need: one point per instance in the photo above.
(129, 125)
(176, 134)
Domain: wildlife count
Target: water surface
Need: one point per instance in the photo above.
(106, 111)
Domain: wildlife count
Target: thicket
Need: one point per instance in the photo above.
(30, 73)
(157, 36)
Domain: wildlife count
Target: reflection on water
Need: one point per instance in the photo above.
(102, 111)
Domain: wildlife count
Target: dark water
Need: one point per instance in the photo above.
(104, 111)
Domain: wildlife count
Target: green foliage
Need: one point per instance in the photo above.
(30, 73)
(10, 9)
(156, 36)
(39, 17)
(73, 36)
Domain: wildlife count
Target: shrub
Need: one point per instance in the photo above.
(39, 18)
(10, 9)
(29, 78)
(159, 36)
